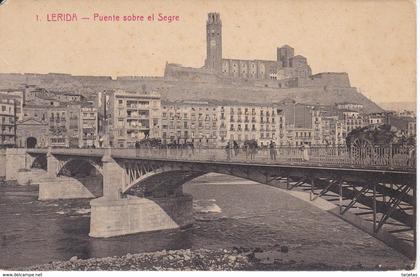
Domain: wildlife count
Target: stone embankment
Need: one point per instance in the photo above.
(191, 260)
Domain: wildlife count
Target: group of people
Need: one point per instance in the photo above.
(250, 148)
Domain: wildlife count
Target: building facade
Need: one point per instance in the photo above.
(193, 122)
(7, 122)
(88, 127)
(250, 122)
(133, 117)
(211, 125)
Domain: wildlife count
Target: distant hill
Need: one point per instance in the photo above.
(189, 90)
(399, 106)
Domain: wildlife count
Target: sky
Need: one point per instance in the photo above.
(373, 40)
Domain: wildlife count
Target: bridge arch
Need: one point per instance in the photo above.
(170, 178)
(85, 172)
(39, 161)
(78, 165)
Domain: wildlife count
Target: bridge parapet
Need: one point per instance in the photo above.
(379, 157)
(382, 158)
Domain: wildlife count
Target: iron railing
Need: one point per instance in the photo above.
(379, 157)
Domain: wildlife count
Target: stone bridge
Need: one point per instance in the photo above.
(141, 189)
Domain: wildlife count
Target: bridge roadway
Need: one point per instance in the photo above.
(380, 183)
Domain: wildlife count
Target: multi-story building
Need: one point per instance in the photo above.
(302, 136)
(37, 112)
(412, 127)
(252, 122)
(351, 120)
(332, 131)
(68, 97)
(58, 126)
(349, 106)
(133, 117)
(318, 128)
(213, 125)
(88, 127)
(64, 126)
(7, 122)
(16, 95)
(375, 119)
(191, 122)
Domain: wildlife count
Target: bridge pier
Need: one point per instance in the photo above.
(111, 217)
(116, 215)
(52, 165)
(30, 176)
(16, 159)
(62, 188)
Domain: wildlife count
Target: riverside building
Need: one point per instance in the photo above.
(7, 122)
(133, 116)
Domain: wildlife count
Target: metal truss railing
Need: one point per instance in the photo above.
(379, 157)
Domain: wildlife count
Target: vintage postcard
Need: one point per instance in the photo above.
(186, 135)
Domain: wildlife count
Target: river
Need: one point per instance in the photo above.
(229, 212)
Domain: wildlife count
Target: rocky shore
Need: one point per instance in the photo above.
(192, 260)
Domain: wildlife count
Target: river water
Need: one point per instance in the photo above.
(229, 212)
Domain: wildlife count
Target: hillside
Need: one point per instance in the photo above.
(399, 106)
(183, 90)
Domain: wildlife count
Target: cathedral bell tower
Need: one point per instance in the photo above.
(214, 43)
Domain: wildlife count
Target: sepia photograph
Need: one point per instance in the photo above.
(198, 135)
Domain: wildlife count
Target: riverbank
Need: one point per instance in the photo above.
(236, 259)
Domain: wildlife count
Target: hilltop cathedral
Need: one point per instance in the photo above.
(285, 72)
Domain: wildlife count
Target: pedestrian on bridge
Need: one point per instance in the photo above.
(235, 148)
(246, 149)
(253, 150)
(137, 145)
(228, 151)
(273, 151)
(305, 152)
